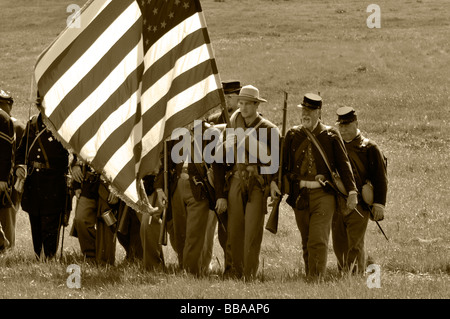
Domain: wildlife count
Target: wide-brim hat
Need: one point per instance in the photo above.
(230, 87)
(346, 114)
(311, 101)
(250, 93)
(5, 96)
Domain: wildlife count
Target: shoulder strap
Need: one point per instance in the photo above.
(316, 143)
(35, 140)
(38, 137)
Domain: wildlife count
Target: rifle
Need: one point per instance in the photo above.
(67, 210)
(163, 232)
(272, 221)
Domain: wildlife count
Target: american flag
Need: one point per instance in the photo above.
(114, 88)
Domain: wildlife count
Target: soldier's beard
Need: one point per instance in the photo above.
(308, 123)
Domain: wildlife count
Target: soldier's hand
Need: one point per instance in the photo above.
(352, 201)
(274, 190)
(162, 198)
(78, 193)
(77, 174)
(3, 186)
(378, 212)
(221, 205)
(20, 172)
(112, 199)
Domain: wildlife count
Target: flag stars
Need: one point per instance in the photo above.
(155, 11)
(163, 24)
(177, 2)
(171, 15)
(155, 28)
(186, 5)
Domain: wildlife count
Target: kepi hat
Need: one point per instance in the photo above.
(230, 87)
(250, 93)
(311, 101)
(5, 96)
(346, 114)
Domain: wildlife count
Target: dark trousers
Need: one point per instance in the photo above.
(8, 222)
(128, 235)
(45, 233)
(95, 237)
(314, 224)
(348, 240)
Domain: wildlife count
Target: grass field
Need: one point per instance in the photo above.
(395, 76)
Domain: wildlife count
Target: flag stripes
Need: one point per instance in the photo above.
(114, 89)
(118, 56)
(51, 57)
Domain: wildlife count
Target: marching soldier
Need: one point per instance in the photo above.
(94, 215)
(307, 170)
(150, 227)
(247, 196)
(189, 202)
(8, 217)
(369, 168)
(7, 149)
(231, 90)
(44, 196)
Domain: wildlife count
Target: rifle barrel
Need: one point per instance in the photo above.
(272, 221)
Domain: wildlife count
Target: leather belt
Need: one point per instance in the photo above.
(310, 184)
(39, 165)
(184, 173)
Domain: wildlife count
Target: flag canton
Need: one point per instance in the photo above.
(159, 16)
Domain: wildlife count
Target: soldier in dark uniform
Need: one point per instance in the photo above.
(7, 149)
(128, 232)
(139, 233)
(189, 204)
(369, 168)
(8, 216)
(44, 197)
(96, 237)
(304, 166)
(231, 90)
(150, 228)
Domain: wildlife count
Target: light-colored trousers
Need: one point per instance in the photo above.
(189, 218)
(245, 229)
